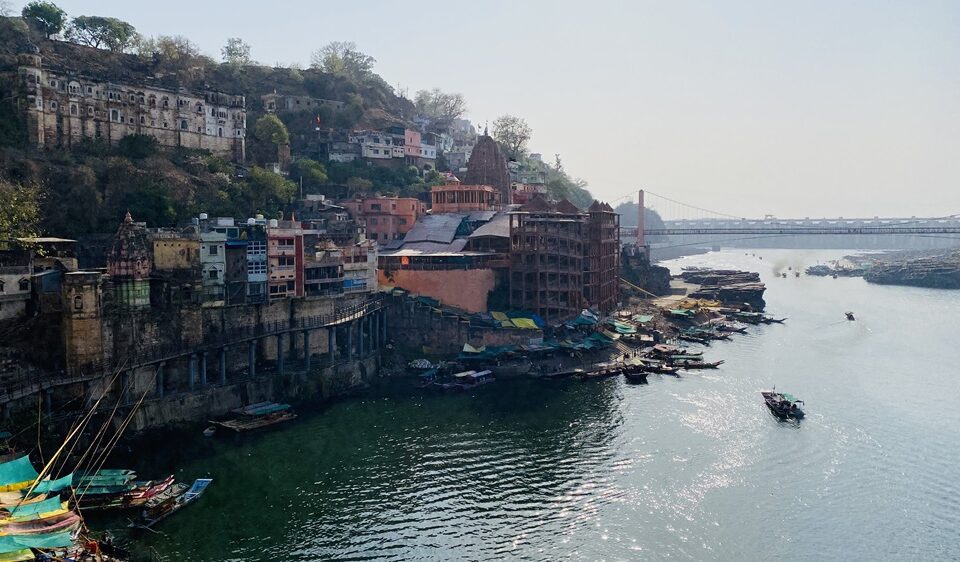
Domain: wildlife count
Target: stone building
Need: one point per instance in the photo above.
(130, 263)
(65, 106)
(487, 166)
(280, 102)
(15, 273)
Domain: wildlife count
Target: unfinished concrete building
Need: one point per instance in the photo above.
(546, 259)
(601, 274)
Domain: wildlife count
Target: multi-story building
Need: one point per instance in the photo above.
(522, 192)
(546, 259)
(323, 271)
(360, 267)
(601, 273)
(15, 272)
(256, 262)
(284, 259)
(385, 218)
(65, 106)
(177, 273)
(213, 264)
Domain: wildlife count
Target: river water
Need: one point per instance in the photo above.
(689, 468)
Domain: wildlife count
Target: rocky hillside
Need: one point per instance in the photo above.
(940, 271)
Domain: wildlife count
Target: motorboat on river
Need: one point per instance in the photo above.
(783, 405)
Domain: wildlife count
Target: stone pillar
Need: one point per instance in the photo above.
(349, 327)
(360, 322)
(280, 353)
(383, 326)
(192, 368)
(160, 380)
(47, 402)
(124, 383)
(203, 369)
(306, 350)
(223, 366)
(332, 344)
(252, 358)
(375, 331)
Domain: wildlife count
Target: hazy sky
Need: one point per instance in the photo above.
(802, 108)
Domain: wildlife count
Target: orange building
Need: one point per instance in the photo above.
(386, 218)
(458, 198)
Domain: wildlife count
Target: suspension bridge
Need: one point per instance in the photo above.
(690, 220)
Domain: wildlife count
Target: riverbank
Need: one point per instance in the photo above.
(937, 269)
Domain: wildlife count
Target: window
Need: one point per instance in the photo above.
(183, 124)
(220, 131)
(78, 302)
(53, 105)
(403, 221)
(143, 120)
(90, 111)
(213, 274)
(24, 284)
(214, 249)
(114, 115)
(133, 97)
(74, 110)
(285, 242)
(373, 221)
(1, 286)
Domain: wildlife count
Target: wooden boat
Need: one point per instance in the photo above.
(256, 416)
(783, 405)
(468, 380)
(695, 339)
(68, 521)
(699, 364)
(636, 377)
(170, 501)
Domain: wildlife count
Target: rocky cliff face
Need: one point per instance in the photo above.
(638, 271)
(938, 272)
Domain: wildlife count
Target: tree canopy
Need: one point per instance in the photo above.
(19, 211)
(513, 134)
(102, 33)
(342, 58)
(312, 173)
(440, 107)
(236, 52)
(45, 17)
(270, 128)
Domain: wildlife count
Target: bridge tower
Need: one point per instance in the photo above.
(641, 240)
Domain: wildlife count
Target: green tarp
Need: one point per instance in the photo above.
(16, 471)
(36, 508)
(14, 543)
(622, 328)
(681, 312)
(47, 486)
(642, 318)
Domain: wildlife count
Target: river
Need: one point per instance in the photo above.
(689, 468)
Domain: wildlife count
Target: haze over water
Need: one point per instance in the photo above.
(689, 468)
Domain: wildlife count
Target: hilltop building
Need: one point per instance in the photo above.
(65, 106)
(385, 218)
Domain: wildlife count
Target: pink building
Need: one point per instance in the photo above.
(412, 148)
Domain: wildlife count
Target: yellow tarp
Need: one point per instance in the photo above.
(467, 348)
(499, 316)
(17, 556)
(525, 323)
(16, 486)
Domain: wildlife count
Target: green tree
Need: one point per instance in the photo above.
(271, 129)
(45, 17)
(440, 107)
(512, 133)
(102, 32)
(236, 52)
(342, 58)
(359, 185)
(19, 211)
(267, 192)
(312, 173)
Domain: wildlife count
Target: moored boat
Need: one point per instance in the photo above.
(169, 502)
(255, 416)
